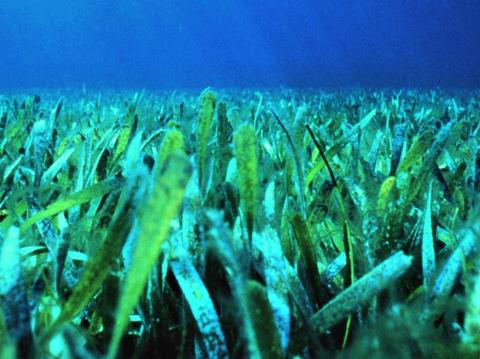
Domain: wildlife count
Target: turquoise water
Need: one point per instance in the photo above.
(191, 44)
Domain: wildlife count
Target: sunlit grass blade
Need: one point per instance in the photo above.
(414, 154)
(121, 143)
(383, 195)
(161, 206)
(172, 142)
(205, 122)
(68, 201)
(247, 163)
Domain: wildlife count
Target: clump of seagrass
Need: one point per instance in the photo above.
(341, 225)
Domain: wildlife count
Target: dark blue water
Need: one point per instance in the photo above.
(192, 44)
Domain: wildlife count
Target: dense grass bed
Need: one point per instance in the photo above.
(240, 224)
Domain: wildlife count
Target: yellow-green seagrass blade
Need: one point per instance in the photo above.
(160, 209)
(246, 154)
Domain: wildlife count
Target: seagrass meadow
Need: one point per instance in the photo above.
(240, 224)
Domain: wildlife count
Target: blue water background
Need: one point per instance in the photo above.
(168, 44)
